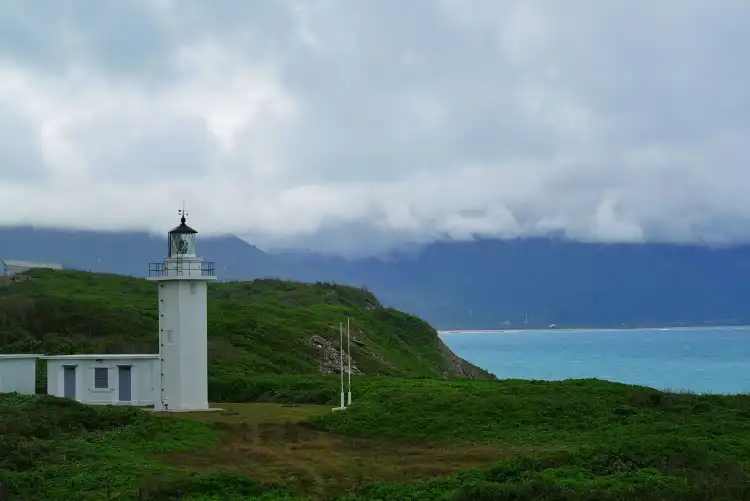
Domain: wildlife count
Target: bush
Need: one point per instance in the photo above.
(177, 485)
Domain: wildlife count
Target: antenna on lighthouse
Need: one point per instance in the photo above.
(182, 213)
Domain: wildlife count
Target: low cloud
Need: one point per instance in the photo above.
(355, 126)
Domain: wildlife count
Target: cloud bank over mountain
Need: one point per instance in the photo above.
(289, 121)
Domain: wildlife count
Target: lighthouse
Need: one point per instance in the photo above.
(182, 279)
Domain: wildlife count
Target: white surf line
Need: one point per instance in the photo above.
(595, 329)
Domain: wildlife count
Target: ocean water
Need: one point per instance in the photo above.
(702, 360)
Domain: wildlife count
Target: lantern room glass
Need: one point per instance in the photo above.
(182, 244)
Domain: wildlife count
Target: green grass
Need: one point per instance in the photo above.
(57, 449)
(587, 439)
(255, 328)
(403, 439)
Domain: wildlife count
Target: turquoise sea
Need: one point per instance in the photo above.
(702, 360)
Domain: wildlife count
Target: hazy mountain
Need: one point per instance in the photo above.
(488, 283)
(127, 253)
(480, 284)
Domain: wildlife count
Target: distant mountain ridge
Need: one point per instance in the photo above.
(125, 253)
(482, 284)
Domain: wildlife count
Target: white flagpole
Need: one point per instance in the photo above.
(341, 352)
(349, 349)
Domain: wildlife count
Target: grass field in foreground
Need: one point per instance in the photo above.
(273, 443)
(584, 440)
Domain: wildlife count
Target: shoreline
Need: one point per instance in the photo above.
(594, 329)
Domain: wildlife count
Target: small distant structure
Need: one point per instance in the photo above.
(104, 379)
(12, 267)
(18, 373)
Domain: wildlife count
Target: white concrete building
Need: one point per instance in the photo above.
(183, 323)
(12, 268)
(128, 379)
(18, 373)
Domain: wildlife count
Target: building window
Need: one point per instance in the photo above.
(101, 377)
(193, 288)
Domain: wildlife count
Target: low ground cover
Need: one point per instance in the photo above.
(403, 439)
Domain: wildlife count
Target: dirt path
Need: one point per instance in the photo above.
(268, 442)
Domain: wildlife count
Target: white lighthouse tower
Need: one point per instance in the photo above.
(183, 324)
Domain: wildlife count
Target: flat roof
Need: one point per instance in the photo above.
(30, 264)
(108, 356)
(19, 355)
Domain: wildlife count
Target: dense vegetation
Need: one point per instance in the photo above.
(578, 439)
(57, 449)
(575, 440)
(257, 327)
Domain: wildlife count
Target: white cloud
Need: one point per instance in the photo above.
(372, 123)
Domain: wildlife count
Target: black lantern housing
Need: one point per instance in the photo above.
(181, 240)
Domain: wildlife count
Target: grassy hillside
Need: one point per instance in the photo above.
(419, 439)
(257, 327)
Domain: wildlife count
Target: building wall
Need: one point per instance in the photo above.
(18, 375)
(183, 344)
(12, 269)
(144, 385)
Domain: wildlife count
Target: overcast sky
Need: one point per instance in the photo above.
(369, 123)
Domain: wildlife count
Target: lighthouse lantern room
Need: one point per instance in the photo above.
(182, 280)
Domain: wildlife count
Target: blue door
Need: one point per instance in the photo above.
(124, 383)
(69, 382)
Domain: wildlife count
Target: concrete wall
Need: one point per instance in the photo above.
(18, 374)
(12, 268)
(144, 385)
(183, 344)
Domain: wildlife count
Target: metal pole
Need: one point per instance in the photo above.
(341, 352)
(349, 349)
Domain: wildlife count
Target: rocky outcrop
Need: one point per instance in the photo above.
(329, 358)
(458, 367)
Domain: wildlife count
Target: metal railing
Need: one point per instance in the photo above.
(180, 269)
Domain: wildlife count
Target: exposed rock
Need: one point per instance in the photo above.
(458, 366)
(329, 360)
